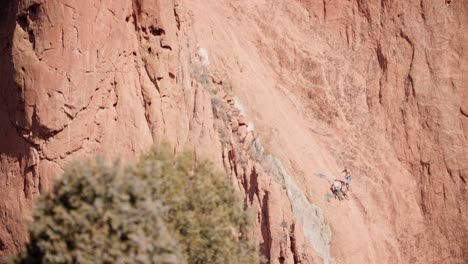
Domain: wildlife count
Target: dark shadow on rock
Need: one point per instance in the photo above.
(15, 151)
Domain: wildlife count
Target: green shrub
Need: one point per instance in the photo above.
(165, 209)
(203, 209)
(96, 214)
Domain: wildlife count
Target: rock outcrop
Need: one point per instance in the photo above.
(281, 94)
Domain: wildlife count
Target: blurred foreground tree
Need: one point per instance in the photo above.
(164, 209)
(204, 211)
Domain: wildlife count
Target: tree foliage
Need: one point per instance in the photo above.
(204, 210)
(164, 209)
(99, 214)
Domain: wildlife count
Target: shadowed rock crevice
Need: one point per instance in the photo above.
(18, 178)
(29, 15)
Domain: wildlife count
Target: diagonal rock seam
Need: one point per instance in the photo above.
(309, 215)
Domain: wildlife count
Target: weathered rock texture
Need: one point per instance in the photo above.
(275, 91)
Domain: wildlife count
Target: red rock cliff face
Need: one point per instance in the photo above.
(276, 92)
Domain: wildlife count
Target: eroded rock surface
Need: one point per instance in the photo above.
(274, 92)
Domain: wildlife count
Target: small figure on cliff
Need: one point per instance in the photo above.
(336, 189)
(347, 178)
(344, 191)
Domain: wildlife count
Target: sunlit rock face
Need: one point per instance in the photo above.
(282, 95)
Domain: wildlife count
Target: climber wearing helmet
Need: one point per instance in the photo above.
(336, 189)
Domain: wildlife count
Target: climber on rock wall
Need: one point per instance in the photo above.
(336, 189)
(344, 190)
(347, 177)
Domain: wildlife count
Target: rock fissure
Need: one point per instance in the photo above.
(238, 144)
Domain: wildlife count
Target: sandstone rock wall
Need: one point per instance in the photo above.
(276, 92)
(87, 77)
(378, 86)
(111, 77)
